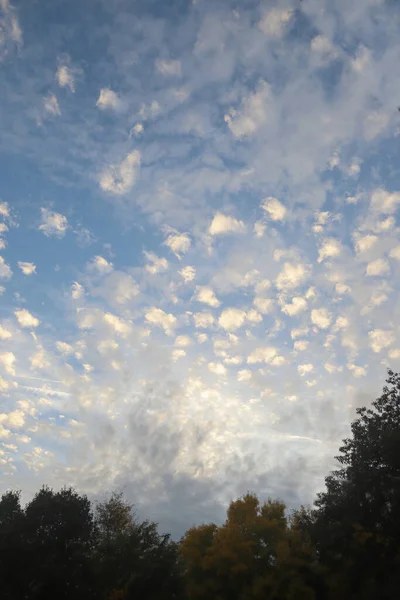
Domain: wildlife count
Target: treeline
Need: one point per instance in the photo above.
(347, 546)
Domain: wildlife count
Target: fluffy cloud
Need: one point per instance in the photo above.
(395, 253)
(217, 368)
(53, 224)
(274, 209)
(203, 320)
(377, 268)
(7, 360)
(264, 305)
(155, 263)
(252, 114)
(178, 243)
(120, 178)
(100, 265)
(321, 317)
(188, 273)
(385, 202)
(305, 369)
(380, 339)
(206, 295)
(222, 224)
(231, 319)
(275, 21)
(4, 333)
(65, 77)
(291, 276)
(296, 306)
(26, 319)
(27, 268)
(108, 99)
(159, 318)
(330, 248)
(259, 355)
(362, 243)
(5, 270)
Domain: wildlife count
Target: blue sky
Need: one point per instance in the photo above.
(200, 245)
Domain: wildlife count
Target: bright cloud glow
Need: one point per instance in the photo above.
(274, 209)
(108, 100)
(27, 268)
(26, 319)
(222, 224)
(53, 224)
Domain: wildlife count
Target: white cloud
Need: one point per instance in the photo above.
(305, 369)
(5, 334)
(7, 360)
(274, 209)
(266, 355)
(253, 316)
(120, 179)
(183, 341)
(331, 248)
(301, 345)
(159, 318)
(53, 223)
(380, 339)
(259, 229)
(362, 243)
(357, 371)
(231, 319)
(206, 295)
(120, 326)
(217, 368)
(156, 264)
(395, 253)
(203, 320)
(25, 318)
(100, 264)
(377, 268)
(244, 375)
(65, 77)
(15, 419)
(51, 105)
(77, 291)
(253, 113)
(178, 243)
(275, 21)
(222, 224)
(394, 354)
(321, 317)
(297, 306)
(291, 276)
(108, 99)
(320, 44)
(39, 360)
(4, 210)
(188, 273)
(27, 268)
(64, 348)
(384, 202)
(299, 332)
(5, 270)
(168, 67)
(264, 305)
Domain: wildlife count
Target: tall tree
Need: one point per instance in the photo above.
(358, 516)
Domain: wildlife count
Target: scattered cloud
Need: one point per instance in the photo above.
(252, 114)
(108, 100)
(222, 224)
(275, 21)
(27, 268)
(168, 67)
(120, 178)
(274, 209)
(26, 319)
(53, 224)
(206, 295)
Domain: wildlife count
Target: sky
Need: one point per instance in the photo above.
(199, 243)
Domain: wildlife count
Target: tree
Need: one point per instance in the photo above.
(255, 554)
(131, 559)
(11, 547)
(358, 516)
